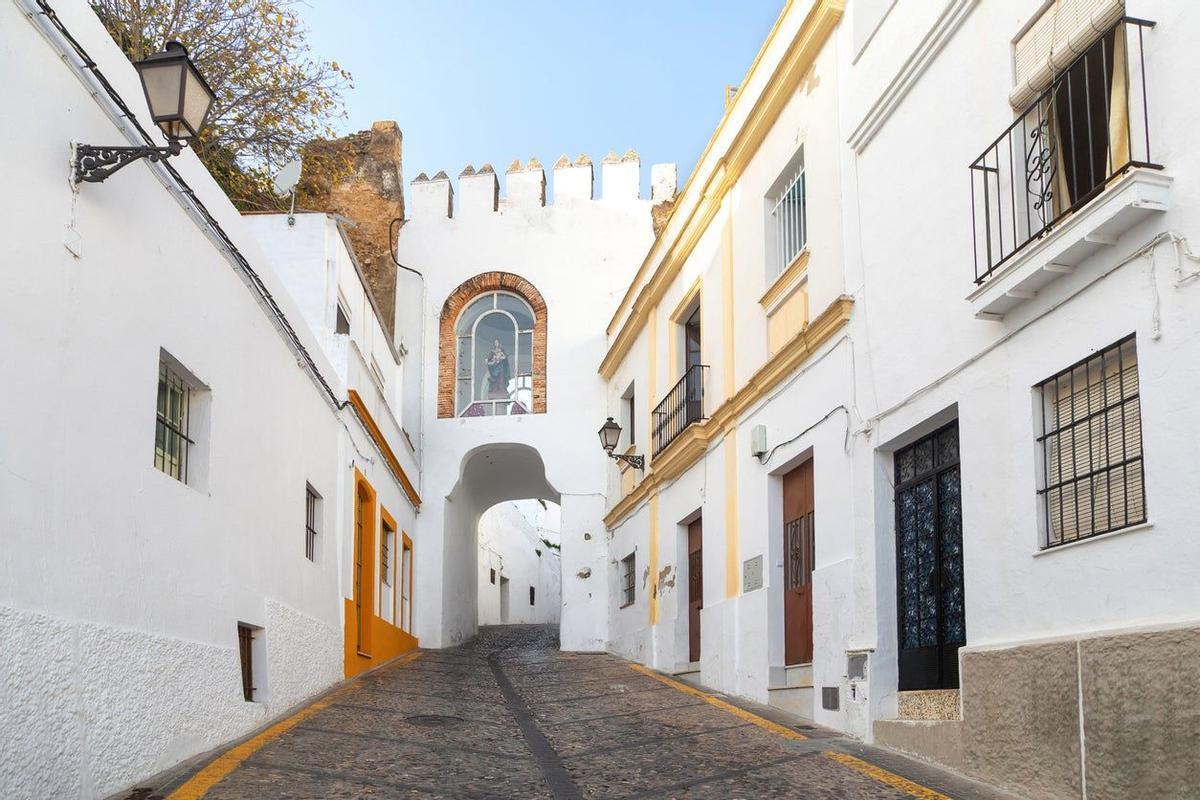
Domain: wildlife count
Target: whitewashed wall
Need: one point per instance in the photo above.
(915, 268)
(121, 588)
(579, 253)
(890, 225)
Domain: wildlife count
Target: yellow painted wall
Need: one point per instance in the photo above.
(787, 319)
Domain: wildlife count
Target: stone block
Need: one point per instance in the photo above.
(1141, 714)
(939, 741)
(929, 704)
(1021, 719)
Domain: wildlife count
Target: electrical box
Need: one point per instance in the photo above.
(758, 441)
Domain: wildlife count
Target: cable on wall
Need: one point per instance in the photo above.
(211, 225)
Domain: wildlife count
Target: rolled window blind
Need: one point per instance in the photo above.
(1064, 29)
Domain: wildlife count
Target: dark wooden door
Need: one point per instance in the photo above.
(799, 550)
(695, 587)
(929, 569)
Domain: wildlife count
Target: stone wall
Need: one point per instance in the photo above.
(359, 177)
(1112, 715)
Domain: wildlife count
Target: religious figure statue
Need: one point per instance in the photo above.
(498, 371)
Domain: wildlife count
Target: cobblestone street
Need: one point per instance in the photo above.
(509, 716)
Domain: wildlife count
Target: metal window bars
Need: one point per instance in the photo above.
(628, 580)
(1092, 478)
(1090, 126)
(682, 406)
(385, 556)
(171, 442)
(789, 222)
(310, 524)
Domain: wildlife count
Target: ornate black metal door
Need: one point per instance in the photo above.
(929, 570)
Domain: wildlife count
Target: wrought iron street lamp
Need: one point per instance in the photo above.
(610, 434)
(179, 99)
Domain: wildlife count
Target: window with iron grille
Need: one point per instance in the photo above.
(788, 227)
(310, 523)
(627, 580)
(1091, 443)
(171, 442)
(246, 652)
(385, 554)
(406, 578)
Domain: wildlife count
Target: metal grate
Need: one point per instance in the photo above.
(830, 698)
(385, 555)
(788, 219)
(171, 440)
(1091, 441)
(627, 580)
(682, 406)
(310, 523)
(1089, 126)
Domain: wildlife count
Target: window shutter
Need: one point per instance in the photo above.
(1063, 30)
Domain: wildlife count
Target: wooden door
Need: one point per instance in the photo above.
(695, 587)
(799, 550)
(929, 567)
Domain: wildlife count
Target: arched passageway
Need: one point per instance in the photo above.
(490, 475)
(520, 566)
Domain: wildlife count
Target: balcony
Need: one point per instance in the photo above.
(1069, 176)
(683, 406)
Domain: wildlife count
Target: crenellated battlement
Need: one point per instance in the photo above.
(525, 185)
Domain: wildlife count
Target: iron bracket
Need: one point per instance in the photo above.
(637, 462)
(92, 164)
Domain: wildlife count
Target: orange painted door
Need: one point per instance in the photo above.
(799, 549)
(695, 587)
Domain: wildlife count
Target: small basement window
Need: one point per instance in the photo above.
(249, 645)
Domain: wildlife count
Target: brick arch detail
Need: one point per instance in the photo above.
(448, 346)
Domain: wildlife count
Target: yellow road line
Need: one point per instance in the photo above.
(217, 769)
(885, 777)
(741, 713)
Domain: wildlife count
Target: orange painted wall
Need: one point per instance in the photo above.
(381, 641)
(387, 642)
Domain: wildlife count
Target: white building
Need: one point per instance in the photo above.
(380, 486)
(519, 566)
(907, 438)
(188, 466)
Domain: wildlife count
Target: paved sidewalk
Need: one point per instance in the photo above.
(509, 716)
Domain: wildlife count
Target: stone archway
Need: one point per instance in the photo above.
(458, 299)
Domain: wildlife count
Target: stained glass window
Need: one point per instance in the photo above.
(494, 356)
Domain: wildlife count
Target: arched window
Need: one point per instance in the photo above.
(494, 364)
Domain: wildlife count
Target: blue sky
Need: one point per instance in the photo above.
(472, 81)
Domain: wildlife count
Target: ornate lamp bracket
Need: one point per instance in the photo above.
(637, 462)
(93, 164)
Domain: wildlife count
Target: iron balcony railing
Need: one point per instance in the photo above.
(682, 406)
(1090, 126)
